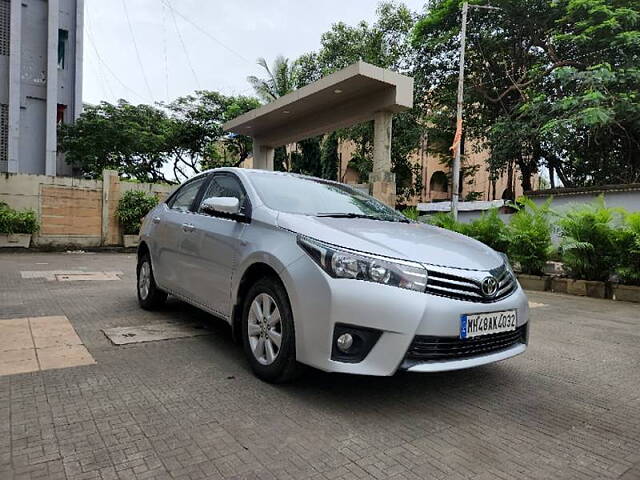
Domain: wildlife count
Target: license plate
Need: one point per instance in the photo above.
(478, 324)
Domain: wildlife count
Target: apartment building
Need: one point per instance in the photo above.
(40, 81)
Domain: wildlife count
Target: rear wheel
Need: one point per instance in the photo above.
(268, 333)
(150, 296)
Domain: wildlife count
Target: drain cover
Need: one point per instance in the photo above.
(86, 276)
(154, 332)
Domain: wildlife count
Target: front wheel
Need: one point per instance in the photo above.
(150, 296)
(268, 333)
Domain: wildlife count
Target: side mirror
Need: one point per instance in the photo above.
(228, 205)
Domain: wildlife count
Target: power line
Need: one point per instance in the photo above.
(166, 55)
(184, 47)
(105, 65)
(205, 32)
(97, 66)
(135, 46)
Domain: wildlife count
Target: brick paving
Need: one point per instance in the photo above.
(191, 409)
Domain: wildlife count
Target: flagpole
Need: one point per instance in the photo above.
(455, 180)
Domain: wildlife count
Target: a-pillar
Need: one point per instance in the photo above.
(382, 182)
(262, 156)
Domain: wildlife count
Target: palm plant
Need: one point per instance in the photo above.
(446, 220)
(281, 79)
(411, 213)
(488, 229)
(629, 270)
(529, 236)
(591, 240)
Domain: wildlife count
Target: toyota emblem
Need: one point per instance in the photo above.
(489, 286)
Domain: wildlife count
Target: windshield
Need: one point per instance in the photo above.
(313, 196)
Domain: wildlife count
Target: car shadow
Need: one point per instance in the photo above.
(337, 388)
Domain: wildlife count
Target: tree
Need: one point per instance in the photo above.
(281, 79)
(592, 109)
(384, 43)
(525, 68)
(144, 142)
(329, 161)
(305, 158)
(132, 139)
(198, 140)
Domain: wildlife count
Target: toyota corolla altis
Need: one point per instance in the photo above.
(310, 271)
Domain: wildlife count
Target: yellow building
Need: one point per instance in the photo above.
(436, 184)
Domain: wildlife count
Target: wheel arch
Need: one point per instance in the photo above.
(143, 249)
(251, 274)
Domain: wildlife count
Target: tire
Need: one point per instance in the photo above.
(150, 297)
(284, 367)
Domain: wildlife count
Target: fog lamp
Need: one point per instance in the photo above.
(344, 342)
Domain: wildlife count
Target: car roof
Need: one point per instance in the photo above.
(253, 171)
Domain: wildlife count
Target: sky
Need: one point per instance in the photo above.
(156, 50)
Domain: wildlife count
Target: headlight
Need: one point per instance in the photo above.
(507, 264)
(341, 263)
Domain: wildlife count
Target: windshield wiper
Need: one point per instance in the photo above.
(361, 215)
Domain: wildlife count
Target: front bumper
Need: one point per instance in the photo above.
(467, 362)
(319, 302)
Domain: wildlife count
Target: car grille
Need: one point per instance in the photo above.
(466, 284)
(426, 348)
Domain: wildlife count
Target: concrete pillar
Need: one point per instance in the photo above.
(382, 183)
(15, 95)
(77, 94)
(110, 197)
(52, 89)
(262, 156)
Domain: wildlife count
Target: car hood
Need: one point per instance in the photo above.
(409, 241)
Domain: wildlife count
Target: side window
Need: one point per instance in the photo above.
(226, 186)
(184, 197)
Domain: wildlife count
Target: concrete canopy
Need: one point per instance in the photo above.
(344, 98)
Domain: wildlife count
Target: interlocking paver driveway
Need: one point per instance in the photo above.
(189, 408)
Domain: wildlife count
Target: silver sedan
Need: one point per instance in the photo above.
(313, 272)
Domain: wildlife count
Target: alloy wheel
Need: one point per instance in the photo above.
(144, 280)
(264, 329)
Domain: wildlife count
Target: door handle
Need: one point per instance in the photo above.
(155, 219)
(187, 227)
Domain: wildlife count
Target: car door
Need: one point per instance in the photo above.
(172, 224)
(211, 249)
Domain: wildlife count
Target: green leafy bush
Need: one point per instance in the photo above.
(14, 221)
(629, 268)
(489, 228)
(411, 213)
(132, 208)
(591, 240)
(529, 236)
(445, 220)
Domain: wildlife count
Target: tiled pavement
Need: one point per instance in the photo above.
(189, 408)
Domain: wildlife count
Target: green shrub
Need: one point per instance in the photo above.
(14, 221)
(629, 269)
(529, 236)
(490, 230)
(591, 240)
(445, 220)
(411, 213)
(132, 208)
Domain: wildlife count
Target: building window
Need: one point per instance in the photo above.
(60, 114)
(439, 182)
(63, 39)
(4, 137)
(5, 26)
